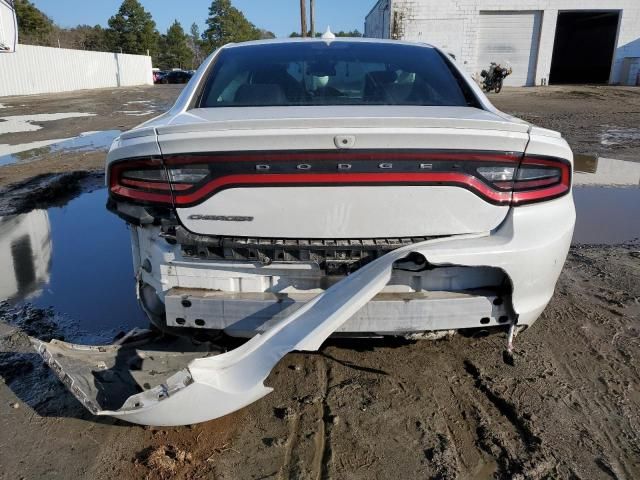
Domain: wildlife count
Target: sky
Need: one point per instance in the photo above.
(279, 16)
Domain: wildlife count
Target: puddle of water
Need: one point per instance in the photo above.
(607, 196)
(75, 259)
(28, 123)
(29, 152)
(606, 215)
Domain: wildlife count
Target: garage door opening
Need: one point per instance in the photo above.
(584, 46)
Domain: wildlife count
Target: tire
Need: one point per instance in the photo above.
(498, 87)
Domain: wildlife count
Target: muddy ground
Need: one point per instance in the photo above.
(568, 408)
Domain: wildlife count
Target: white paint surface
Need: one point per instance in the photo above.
(30, 123)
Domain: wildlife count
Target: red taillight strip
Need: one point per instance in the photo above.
(377, 155)
(155, 185)
(118, 185)
(520, 198)
(548, 193)
(185, 195)
(164, 198)
(522, 184)
(273, 179)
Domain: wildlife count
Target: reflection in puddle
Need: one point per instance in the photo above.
(606, 215)
(607, 200)
(87, 141)
(76, 259)
(590, 170)
(25, 250)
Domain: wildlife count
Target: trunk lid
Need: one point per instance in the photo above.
(339, 172)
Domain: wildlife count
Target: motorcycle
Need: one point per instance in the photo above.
(494, 77)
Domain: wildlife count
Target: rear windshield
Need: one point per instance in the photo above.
(333, 73)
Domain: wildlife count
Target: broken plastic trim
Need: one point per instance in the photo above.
(216, 385)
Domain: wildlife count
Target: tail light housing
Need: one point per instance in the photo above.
(500, 178)
(540, 179)
(149, 182)
(535, 179)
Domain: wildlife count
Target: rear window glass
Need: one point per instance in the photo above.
(333, 73)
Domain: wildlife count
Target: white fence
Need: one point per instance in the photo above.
(34, 69)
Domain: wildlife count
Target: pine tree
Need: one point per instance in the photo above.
(175, 51)
(132, 29)
(227, 24)
(195, 43)
(34, 27)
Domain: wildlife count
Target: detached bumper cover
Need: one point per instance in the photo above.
(531, 252)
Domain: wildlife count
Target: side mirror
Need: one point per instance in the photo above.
(8, 27)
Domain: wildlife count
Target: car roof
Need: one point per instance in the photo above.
(281, 41)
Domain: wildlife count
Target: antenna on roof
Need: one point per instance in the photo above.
(328, 35)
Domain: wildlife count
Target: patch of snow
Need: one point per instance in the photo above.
(29, 123)
(137, 113)
(85, 142)
(618, 135)
(6, 149)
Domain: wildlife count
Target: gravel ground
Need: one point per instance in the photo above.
(443, 409)
(595, 120)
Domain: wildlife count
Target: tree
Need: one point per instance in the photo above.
(82, 37)
(175, 51)
(94, 38)
(266, 34)
(195, 44)
(341, 33)
(35, 27)
(132, 29)
(353, 33)
(227, 24)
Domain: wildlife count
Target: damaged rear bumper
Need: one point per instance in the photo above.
(530, 247)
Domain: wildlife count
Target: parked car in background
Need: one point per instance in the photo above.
(177, 76)
(158, 75)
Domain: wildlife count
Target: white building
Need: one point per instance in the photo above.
(545, 41)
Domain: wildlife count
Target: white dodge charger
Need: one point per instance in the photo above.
(299, 189)
(286, 166)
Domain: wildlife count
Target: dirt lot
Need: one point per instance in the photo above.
(568, 408)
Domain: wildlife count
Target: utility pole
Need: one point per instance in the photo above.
(312, 15)
(303, 17)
